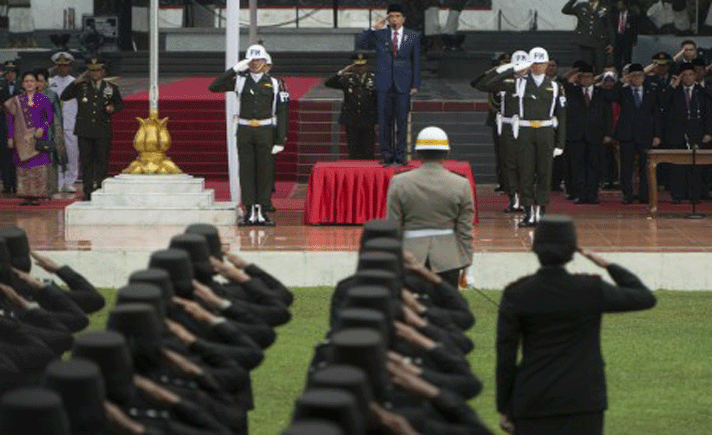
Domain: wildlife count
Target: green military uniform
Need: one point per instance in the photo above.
(509, 147)
(262, 123)
(540, 127)
(358, 111)
(93, 125)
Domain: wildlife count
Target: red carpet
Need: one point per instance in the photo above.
(196, 88)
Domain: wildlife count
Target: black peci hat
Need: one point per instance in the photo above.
(635, 67)
(139, 324)
(313, 427)
(348, 378)
(211, 234)
(177, 263)
(140, 293)
(365, 349)
(79, 383)
(196, 245)
(337, 406)
(380, 228)
(19, 247)
(555, 239)
(395, 7)
(33, 411)
(362, 318)
(108, 350)
(158, 277)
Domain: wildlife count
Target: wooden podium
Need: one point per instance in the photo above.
(682, 157)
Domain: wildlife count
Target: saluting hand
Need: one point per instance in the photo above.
(381, 23)
(598, 261)
(45, 262)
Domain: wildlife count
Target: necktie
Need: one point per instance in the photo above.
(688, 97)
(638, 97)
(395, 43)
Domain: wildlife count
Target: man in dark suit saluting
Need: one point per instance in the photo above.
(559, 386)
(397, 77)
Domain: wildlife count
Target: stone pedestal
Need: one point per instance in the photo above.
(151, 200)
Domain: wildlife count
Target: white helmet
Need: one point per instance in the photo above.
(432, 139)
(520, 57)
(538, 55)
(268, 59)
(255, 52)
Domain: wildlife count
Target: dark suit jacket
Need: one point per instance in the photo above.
(592, 27)
(587, 123)
(556, 316)
(92, 120)
(630, 33)
(401, 70)
(5, 95)
(638, 125)
(679, 126)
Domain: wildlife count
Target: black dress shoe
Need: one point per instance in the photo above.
(627, 200)
(499, 188)
(266, 221)
(579, 201)
(593, 201)
(386, 162)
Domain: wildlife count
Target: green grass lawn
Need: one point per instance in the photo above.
(658, 363)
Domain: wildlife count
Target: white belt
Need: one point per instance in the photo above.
(256, 122)
(538, 124)
(416, 234)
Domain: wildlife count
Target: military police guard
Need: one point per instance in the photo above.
(358, 112)
(58, 83)
(262, 127)
(504, 120)
(97, 100)
(539, 125)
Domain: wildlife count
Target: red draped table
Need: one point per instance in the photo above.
(354, 191)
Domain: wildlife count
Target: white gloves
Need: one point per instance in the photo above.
(276, 149)
(241, 65)
(519, 66)
(558, 152)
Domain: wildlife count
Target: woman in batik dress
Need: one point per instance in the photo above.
(29, 116)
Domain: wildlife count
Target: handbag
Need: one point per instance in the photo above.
(43, 145)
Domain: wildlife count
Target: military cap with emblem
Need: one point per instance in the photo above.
(95, 64)
(62, 58)
(33, 411)
(79, 383)
(10, 65)
(359, 58)
(662, 58)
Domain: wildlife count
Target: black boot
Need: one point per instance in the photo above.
(529, 218)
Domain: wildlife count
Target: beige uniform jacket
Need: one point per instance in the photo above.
(431, 197)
